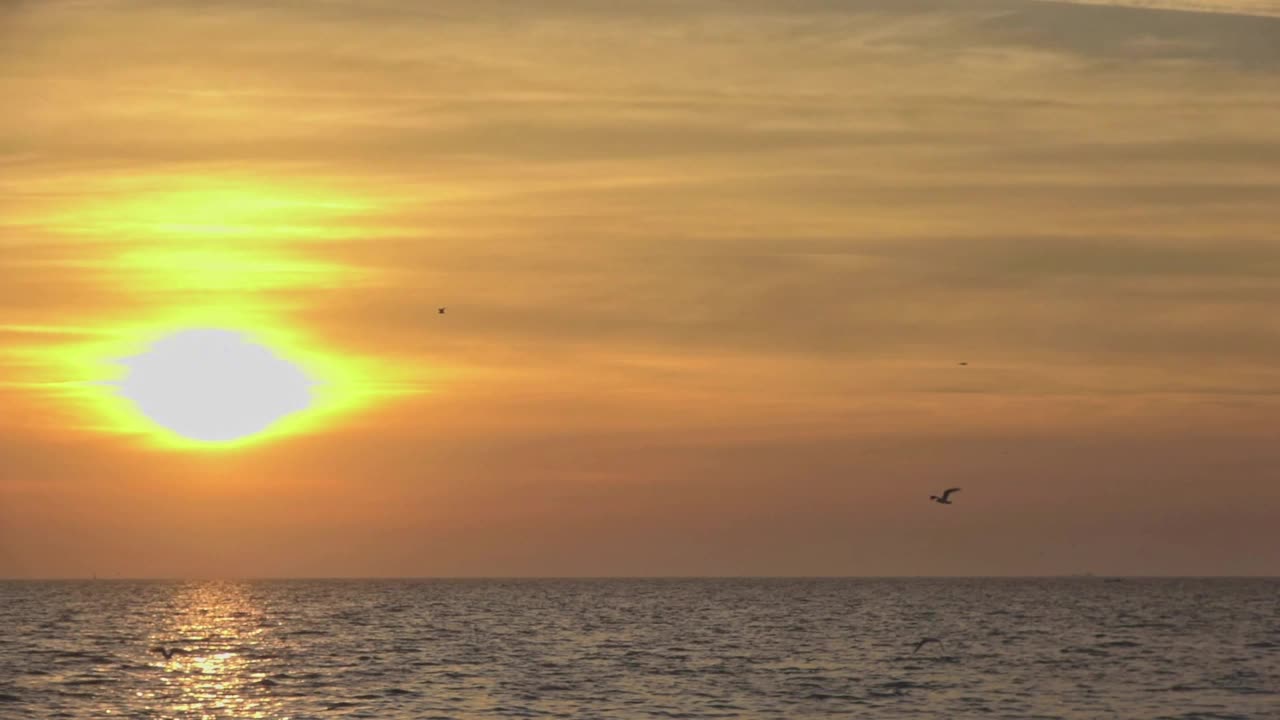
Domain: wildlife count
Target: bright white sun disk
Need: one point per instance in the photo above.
(214, 385)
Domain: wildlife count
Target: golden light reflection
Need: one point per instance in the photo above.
(221, 652)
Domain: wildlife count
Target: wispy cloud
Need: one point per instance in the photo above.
(1265, 8)
(675, 237)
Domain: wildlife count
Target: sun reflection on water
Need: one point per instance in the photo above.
(220, 646)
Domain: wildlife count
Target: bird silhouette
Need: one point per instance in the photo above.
(924, 642)
(946, 496)
(440, 310)
(168, 652)
(964, 363)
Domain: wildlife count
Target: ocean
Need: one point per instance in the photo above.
(645, 648)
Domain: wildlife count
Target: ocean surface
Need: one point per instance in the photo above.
(749, 648)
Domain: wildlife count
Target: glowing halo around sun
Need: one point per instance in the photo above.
(203, 381)
(239, 358)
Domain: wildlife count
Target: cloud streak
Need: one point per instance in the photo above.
(691, 250)
(1261, 8)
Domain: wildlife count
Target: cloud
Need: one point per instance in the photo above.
(1103, 31)
(1263, 8)
(692, 250)
(837, 179)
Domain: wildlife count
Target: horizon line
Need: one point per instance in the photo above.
(266, 578)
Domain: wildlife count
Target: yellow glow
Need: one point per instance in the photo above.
(343, 383)
(181, 208)
(217, 268)
(224, 238)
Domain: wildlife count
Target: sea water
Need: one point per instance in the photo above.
(649, 648)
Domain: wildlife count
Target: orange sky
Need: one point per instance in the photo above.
(710, 267)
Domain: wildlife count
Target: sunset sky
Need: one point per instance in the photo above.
(710, 267)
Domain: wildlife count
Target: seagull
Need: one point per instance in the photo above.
(924, 642)
(168, 652)
(945, 499)
(440, 310)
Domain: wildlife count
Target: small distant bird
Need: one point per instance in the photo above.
(946, 496)
(964, 363)
(168, 652)
(440, 310)
(924, 642)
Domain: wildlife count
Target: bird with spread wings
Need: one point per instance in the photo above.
(945, 499)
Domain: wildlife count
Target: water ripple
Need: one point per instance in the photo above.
(1077, 648)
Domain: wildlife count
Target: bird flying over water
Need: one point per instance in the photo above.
(168, 652)
(924, 642)
(946, 495)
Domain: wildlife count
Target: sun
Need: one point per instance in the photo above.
(219, 379)
(213, 385)
(214, 346)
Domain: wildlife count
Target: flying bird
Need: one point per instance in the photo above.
(924, 642)
(440, 310)
(963, 363)
(946, 496)
(168, 652)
